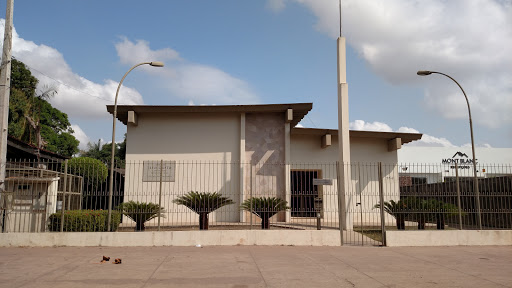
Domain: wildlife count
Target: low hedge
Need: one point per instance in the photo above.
(84, 221)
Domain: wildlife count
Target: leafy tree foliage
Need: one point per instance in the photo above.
(29, 113)
(203, 203)
(140, 213)
(102, 152)
(93, 170)
(265, 208)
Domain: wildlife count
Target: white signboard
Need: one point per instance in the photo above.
(319, 182)
(153, 170)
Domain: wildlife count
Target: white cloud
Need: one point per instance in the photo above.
(70, 98)
(190, 81)
(485, 145)
(276, 5)
(470, 40)
(426, 140)
(367, 126)
(80, 136)
(133, 53)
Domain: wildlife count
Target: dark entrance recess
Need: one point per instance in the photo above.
(303, 193)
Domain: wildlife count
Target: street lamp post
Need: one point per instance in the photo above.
(475, 178)
(111, 184)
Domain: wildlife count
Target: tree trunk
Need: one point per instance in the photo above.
(265, 223)
(421, 223)
(203, 221)
(440, 221)
(400, 222)
(140, 226)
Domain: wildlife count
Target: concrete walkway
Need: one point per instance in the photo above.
(257, 266)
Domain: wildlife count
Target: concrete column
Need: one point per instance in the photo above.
(287, 131)
(343, 134)
(5, 90)
(242, 163)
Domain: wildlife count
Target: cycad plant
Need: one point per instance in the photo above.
(203, 203)
(141, 212)
(265, 208)
(399, 209)
(442, 210)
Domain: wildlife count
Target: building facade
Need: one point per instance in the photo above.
(246, 151)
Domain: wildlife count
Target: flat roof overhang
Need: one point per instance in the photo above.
(406, 137)
(299, 109)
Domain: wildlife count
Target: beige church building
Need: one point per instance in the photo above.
(244, 151)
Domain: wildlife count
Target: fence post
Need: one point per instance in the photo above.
(341, 210)
(382, 215)
(458, 193)
(250, 197)
(65, 186)
(160, 192)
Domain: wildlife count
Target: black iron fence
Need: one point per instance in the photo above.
(163, 195)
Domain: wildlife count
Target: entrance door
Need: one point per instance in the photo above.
(303, 193)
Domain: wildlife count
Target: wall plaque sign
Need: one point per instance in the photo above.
(153, 169)
(319, 182)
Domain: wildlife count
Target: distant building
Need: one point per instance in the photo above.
(419, 165)
(18, 150)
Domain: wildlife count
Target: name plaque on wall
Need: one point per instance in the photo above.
(154, 169)
(320, 182)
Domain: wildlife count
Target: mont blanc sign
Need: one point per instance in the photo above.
(459, 158)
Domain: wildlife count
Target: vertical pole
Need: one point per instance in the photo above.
(63, 207)
(360, 201)
(341, 211)
(382, 215)
(5, 90)
(70, 190)
(160, 192)
(343, 133)
(250, 197)
(458, 193)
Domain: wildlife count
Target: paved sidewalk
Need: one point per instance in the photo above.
(257, 266)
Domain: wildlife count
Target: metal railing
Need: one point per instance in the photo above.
(162, 195)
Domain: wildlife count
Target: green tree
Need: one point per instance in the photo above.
(203, 204)
(102, 152)
(265, 208)
(31, 116)
(93, 170)
(140, 213)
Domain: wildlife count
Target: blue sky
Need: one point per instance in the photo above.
(279, 51)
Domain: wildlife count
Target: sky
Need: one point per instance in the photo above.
(278, 51)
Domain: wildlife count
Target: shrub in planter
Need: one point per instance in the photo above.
(140, 213)
(399, 209)
(84, 221)
(265, 208)
(202, 204)
(443, 210)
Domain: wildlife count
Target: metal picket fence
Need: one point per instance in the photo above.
(163, 195)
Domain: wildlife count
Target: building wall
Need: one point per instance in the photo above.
(307, 153)
(265, 155)
(206, 148)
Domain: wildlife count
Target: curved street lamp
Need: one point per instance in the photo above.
(475, 179)
(114, 116)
